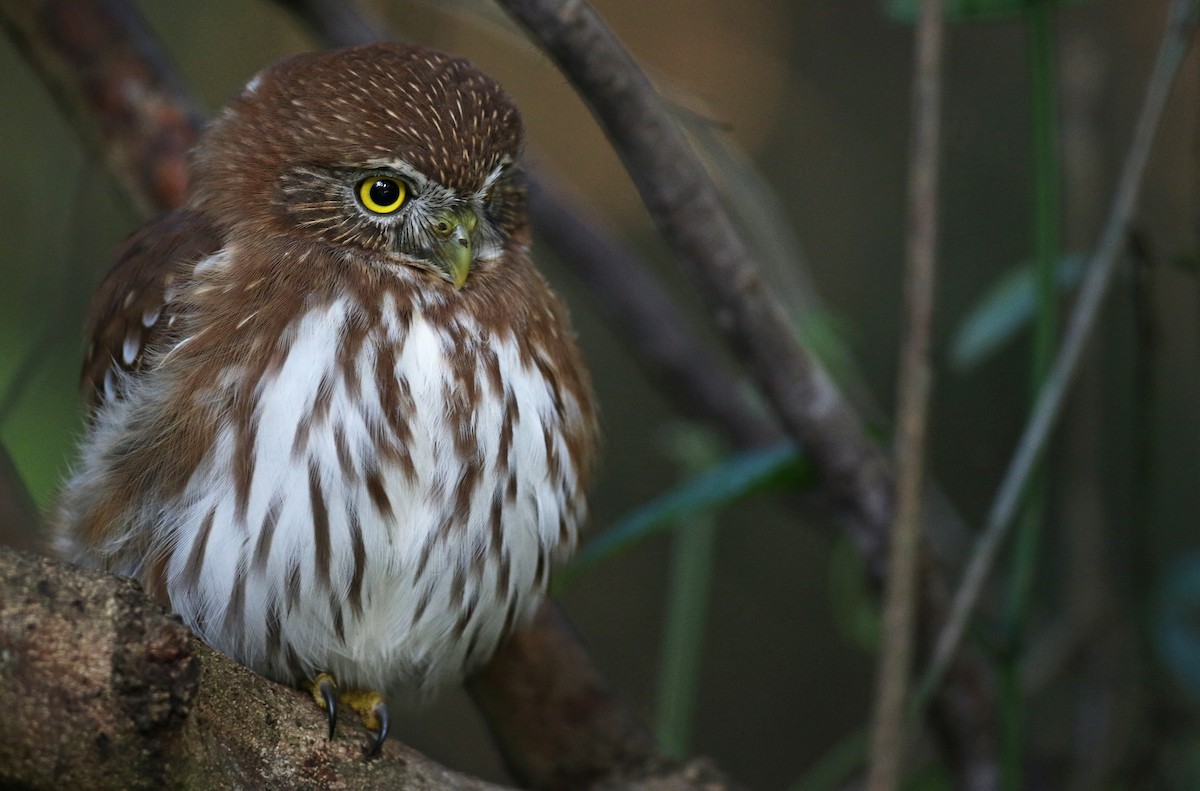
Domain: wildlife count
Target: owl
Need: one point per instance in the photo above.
(339, 421)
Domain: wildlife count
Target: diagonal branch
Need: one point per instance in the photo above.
(141, 160)
(651, 324)
(685, 206)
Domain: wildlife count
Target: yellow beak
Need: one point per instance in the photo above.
(453, 253)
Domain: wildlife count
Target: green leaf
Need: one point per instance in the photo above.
(768, 469)
(971, 10)
(1006, 308)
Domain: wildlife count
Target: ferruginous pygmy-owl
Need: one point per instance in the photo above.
(340, 422)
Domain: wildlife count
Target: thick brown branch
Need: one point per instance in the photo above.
(103, 689)
(554, 718)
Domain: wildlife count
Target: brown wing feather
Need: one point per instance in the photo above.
(131, 310)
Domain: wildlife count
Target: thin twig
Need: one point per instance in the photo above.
(916, 375)
(1181, 24)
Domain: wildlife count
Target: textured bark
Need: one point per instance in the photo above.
(102, 688)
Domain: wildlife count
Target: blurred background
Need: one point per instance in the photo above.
(802, 108)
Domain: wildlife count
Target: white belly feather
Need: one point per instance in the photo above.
(379, 600)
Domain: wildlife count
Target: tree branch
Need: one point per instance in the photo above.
(103, 689)
(555, 719)
(653, 328)
(146, 162)
(687, 210)
(109, 76)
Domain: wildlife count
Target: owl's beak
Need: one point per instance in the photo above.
(453, 228)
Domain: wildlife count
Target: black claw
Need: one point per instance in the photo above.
(329, 695)
(381, 713)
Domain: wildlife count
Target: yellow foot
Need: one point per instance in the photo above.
(367, 704)
(372, 710)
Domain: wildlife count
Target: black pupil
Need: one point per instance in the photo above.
(385, 192)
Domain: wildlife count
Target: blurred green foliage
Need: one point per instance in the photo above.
(1005, 309)
(776, 468)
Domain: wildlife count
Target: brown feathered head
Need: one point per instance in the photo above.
(345, 146)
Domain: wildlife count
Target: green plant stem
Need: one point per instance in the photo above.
(1039, 20)
(687, 608)
(1047, 245)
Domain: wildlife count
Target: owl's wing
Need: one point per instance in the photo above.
(132, 311)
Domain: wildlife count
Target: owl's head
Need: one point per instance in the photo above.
(401, 152)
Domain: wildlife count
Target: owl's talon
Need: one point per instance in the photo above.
(323, 689)
(329, 693)
(373, 711)
(381, 714)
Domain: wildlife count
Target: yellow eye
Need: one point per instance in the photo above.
(382, 195)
